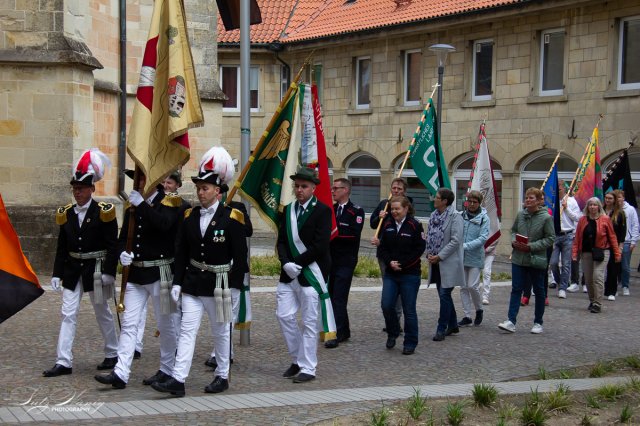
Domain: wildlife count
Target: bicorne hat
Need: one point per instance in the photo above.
(216, 167)
(90, 168)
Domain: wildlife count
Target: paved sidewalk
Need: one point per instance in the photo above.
(352, 378)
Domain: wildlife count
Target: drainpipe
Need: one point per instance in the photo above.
(122, 112)
(277, 48)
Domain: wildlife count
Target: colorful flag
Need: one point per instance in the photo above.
(551, 198)
(429, 167)
(619, 177)
(266, 183)
(19, 285)
(313, 147)
(167, 101)
(482, 180)
(230, 13)
(590, 174)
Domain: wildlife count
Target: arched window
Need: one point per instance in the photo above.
(364, 172)
(536, 167)
(462, 174)
(422, 200)
(634, 166)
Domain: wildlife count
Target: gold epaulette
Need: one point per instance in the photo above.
(187, 213)
(237, 215)
(107, 211)
(127, 204)
(172, 199)
(61, 214)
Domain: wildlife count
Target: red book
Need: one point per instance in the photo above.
(522, 239)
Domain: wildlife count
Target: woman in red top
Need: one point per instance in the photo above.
(594, 237)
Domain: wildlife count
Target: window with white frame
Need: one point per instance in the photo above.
(552, 62)
(482, 80)
(412, 76)
(536, 168)
(363, 81)
(364, 173)
(462, 176)
(629, 53)
(230, 83)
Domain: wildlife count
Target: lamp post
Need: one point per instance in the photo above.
(441, 51)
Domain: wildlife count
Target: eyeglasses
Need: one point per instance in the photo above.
(335, 188)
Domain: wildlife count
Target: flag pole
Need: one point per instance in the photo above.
(550, 170)
(584, 155)
(475, 157)
(406, 157)
(292, 87)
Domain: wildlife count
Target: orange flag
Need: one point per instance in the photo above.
(19, 285)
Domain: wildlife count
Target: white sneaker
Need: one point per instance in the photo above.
(584, 289)
(612, 298)
(537, 328)
(485, 301)
(507, 326)
(625, 291)
(562, 294)
(573, 288)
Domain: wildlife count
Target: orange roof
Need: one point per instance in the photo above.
(288, 21)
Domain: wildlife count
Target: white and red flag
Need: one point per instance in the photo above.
(167, 101)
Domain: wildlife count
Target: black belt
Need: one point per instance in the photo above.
(565, 233)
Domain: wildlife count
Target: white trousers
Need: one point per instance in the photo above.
(235, 307)
(302, 344)
(141, 326)
(470, 295)
(192, 310)
(486, 275)
(69, 312)
(135, 298)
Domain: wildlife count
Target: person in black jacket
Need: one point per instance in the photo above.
(402, 242)
(86, 260)
(344, 256)
(211, 258)
(303, 249)
(151, 263)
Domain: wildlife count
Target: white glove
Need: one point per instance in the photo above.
(108, 279)
(126, 258)
(56, 284)
(175, 293)
(292, 269)
(135, 198)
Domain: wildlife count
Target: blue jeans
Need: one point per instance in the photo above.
(448, 317)
(562, 247)
(407, 286)
(626, 265)
(520, 276)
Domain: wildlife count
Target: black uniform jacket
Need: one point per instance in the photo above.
(224, 241)
(345, 246)
(154, 236)
(315, 233)
(405, 246)
(99, 231)
(248, 226)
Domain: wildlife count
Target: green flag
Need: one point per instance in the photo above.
(262, 184)
(426, 154)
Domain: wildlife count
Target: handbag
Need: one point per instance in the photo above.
(597, 254)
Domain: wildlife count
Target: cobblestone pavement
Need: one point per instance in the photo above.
(572, 337)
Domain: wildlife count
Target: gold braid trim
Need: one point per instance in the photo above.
(237, 215)
(187, 213)
(107, 211)
(172, 199)
(61, 214)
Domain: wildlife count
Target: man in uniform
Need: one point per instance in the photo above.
(344, 256)
(150, 262)
(86, 260)
(303, 249)
(211, 257)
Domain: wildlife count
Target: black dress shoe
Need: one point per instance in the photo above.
(450, 331)
(408, 351)
(218, 385)
(438, 337)
(391, 342)
(137, 354)
(330, 344)
(108, 363)
(171, 386)
(211, 362)
(160, 377)
(111, 379)
(303, 377)
(57, 370)
(479, 316)
(291, 371)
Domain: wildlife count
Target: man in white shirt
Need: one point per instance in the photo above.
(629, 242)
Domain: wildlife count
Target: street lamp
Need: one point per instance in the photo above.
(441, 51)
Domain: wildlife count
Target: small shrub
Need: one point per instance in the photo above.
(566, 374)
(455, 413)
(484, 395)
(634, 384)
(593, 401)
(533, 415)
(626, 414)
(265, 266)
(542, 373)
(416, 405)
(599, 370)
(380, 417)
(586, 420)
(633, 361)
(367, 267)
(560, 400)
(611, 392)
(500, 276)
(506, 411)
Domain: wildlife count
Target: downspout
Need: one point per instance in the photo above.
(122, 112)
(276, 48)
